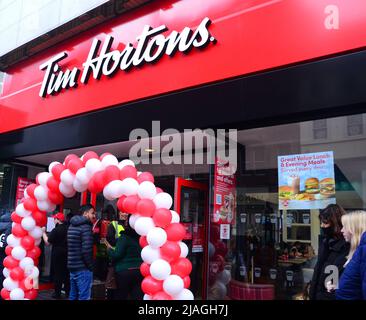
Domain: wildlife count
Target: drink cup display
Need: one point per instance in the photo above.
(243, 217)
(289, 275)
(293, 181)
(306, 218)
(273, 274)
(258, 217)
(257, 272)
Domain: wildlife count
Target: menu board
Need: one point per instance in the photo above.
(306, 181)
(224, 193)
(23, 183)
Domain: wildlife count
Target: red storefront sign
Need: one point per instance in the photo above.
(224, 193)
(251, 36)
(22, 184)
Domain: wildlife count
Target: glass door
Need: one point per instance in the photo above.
(191, 202)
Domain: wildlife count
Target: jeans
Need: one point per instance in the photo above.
(81, 284)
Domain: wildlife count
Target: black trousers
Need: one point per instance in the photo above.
(129, 285)
(60, 274)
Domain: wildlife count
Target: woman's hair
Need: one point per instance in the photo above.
(332, 215)
(354, 222)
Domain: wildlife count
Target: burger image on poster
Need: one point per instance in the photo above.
(327, 188)
(273, 274)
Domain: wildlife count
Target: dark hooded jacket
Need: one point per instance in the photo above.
(5, 230)
(80, 244)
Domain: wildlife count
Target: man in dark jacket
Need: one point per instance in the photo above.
(5, 230)
(58, 238)
(80, 253)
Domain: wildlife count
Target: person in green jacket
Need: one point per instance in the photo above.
(126, 258)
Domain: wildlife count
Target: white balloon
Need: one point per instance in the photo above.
(93, 166)
(46, 205)
(21, 212)
(173, 285)
(115, 188)
(36, 233)
(183, 249)
(13, 241)
(78, 186)
(17, 294)
(224, 277)
(146, 190)
(175, 217)
(147, 297)
(6, 272)
(43, 177)
(163, 200)
(26, 196)
(211, 249)
(28, 223)
(51, 165)
(10, 284)
(160, 269)
(67, 191)
(107, 193)
(126, 162)
(67, 177)
(83, 176)
(143, 225)
(129, 186)
(156, 237)
(149, 254)
(185, 294)
(41, 193)
(18, 253)
(133, 219)
(109, 160)
(26, 263)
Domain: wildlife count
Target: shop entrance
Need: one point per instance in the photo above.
(191, 202)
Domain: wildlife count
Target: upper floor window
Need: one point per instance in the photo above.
(320, 129)
(355, 125)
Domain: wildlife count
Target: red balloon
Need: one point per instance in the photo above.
(162, 217)
(143, 241)
(30, 204)
(175, 232)
(57, 170)
(111, 173)
(92, 187)
(10, 262)
(8, 250)
(145, 176)
(74, 165)
(145, 269)
(5, 294)
(18, 231)
(187, 282)
(69, 158)
(34, 253)
(15, 218)
(159, 190)
(130, 204)
(128, 172)
(103, 155)
(40, 217)
(146, 207)
(89, 155)
(170, 251)
(151, 286)
(182, 267)
(31, 294)
(53, 184)
(99, 180)
(27, 242)
(161, 296)
(120, 203)
(55, 197)
(30, 190)
(17, 274)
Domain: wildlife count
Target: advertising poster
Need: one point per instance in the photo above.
(23, 183)
(198, 238)
(306, 181)
(224, 193)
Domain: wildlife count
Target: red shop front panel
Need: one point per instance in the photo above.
(250, 36)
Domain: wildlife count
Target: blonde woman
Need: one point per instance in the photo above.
(352, 284)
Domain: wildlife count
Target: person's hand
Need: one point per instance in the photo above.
(330, 287)
(43, 229)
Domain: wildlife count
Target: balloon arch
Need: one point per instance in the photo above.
(165, 268)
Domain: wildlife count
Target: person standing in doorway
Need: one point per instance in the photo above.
(333, 251)
(58, 239)
(80, 253)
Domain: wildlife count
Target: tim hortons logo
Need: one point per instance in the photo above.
(151, 46)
